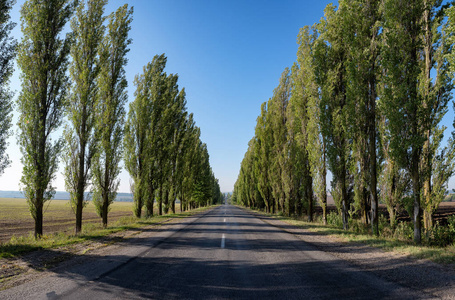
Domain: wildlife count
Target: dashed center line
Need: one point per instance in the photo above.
(223, 241)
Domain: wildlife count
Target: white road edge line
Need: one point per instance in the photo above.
(223, 241)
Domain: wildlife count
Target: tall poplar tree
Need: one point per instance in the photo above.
(401, 100)
(43, 60)
(178, 124)
(263, 158)
(311, 108)
(363, 18)
(156, 88)
(8, 47)
(143, 115)
(277, 118)
(88, 30)
(436, 93)
(190, 141)
(330, 73)
(110, 111)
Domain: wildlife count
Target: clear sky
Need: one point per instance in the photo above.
(229, 56)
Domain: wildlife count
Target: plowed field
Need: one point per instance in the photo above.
(15, 218)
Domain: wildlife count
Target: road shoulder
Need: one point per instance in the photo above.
(417, 274)
(43, 263)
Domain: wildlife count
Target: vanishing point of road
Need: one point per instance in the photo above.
(224, 253)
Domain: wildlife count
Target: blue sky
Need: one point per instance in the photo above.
(229, 56)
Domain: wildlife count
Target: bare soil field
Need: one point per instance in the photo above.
(15, 218)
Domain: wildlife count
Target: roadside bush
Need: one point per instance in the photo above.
(404, 231)
(442, 235)
(334, 218)
(357, 226)
(385, 230)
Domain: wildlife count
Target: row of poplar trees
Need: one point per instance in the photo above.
(163, 150)
(365, 99)
(78, 79)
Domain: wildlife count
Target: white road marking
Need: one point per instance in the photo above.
(223, 241)
(224, 220)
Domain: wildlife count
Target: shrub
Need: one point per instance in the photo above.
(441, 235)
(334, 219)
(404, 231)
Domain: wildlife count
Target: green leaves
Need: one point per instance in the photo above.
(81, 142)
(43, 59)
(110, 111)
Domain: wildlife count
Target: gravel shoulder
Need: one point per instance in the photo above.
(417, 274)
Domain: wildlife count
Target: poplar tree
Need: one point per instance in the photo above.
(156, 88)
(263, 158)
(311, 109)
(171, 123)
(277, 118)
(43, 60)
(88, 30)
(178, 123)
(436, 94)
(330, 73)
(110, 111)
(363, 20)
(8, 47)
(401, 101)
(142, 118)
(190, 141)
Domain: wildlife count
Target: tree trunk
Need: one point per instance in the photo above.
(149, 205)
(416, 193)
(39, 219)
(344, 202)
(310, 196)
(79, 207)
(166, 201)
(392, 216)
(138, 207)
(80, 191)
(324, 184)
(160, 201)
(427, 219)
(373, 171)
(426, 147)
(105, 209)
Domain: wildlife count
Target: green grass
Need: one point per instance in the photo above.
(90, 231)
(444, 255)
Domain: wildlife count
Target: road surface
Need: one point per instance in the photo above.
(226, 253)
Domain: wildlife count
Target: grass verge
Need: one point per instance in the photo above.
(442, 255)
(23, 244)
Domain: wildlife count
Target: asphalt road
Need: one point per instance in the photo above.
(225, 253)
